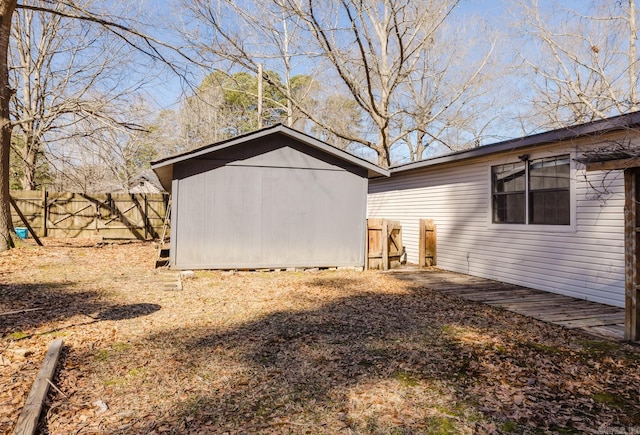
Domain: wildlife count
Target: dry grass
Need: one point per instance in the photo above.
(323, 352)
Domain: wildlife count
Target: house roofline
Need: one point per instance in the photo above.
(620, 122)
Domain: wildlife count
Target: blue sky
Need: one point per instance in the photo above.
(167, 91)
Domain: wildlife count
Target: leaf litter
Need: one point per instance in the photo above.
(290, 352)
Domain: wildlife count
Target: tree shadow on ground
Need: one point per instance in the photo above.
(373, 362)
(26, 307)
(308, 371)
(50, 302)
(129, 311)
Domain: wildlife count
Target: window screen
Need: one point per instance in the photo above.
(509, 183)
(549, 198)
(541, 186)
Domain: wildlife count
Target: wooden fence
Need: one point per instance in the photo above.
(427, 246)
(112, 216)
(384, 244)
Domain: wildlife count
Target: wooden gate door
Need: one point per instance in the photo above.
(384, 244)
(427, 246)
(632, 253)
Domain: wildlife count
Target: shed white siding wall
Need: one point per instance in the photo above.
(584, 260)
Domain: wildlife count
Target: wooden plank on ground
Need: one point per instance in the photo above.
(520, 298)
(537, 312)
(445, 277)
(553, 301)
(524, 305)
(444, 289)
(599, 321)
(612, 316)
(528, 300)
(473, 290)
(580, 310)
(488, 287)
(565, 308)
(612, 331)
(26, 310)
(433, 281)
(30, 414)
(578, 304)
(583, 314)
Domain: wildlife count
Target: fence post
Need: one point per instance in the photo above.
(366, 244)
(632, 277)
(427, 245)
(421, 244)
(384, 237)
(45, 213)
(146, 217)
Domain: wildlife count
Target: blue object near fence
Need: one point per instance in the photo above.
(21, 232)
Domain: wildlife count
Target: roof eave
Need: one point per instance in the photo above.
(603, 126)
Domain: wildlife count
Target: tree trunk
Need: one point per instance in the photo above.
(633, 35)
(29, 155)
(7, 7)
(384, 160)
(383, 148)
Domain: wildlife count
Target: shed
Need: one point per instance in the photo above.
(273, 198)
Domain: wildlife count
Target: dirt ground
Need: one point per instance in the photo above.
(290, 352)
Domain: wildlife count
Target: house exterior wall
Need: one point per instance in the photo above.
(584, 260)
(271, 204)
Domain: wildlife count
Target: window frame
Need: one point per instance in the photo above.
(526, 226)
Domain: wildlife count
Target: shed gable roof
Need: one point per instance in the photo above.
(164, 167)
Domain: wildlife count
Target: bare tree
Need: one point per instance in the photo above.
(126, 30)
(202, 116)
(81, 170)
(374, 45)
(121, 153)
(444, 101)
(251, 34)
(582, 65)
(377, 50)
(70, 79)
(166, 133)
(227, 104)
(343, 115)
(7, 8)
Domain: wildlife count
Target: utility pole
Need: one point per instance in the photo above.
(633, 35)
(259, 96)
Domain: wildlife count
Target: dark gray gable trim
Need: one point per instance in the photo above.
(615, 123)
(373, 170)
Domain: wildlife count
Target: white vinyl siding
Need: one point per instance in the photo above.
(583, 260)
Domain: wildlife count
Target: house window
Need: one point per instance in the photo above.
(532, 192)
(509, 193)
